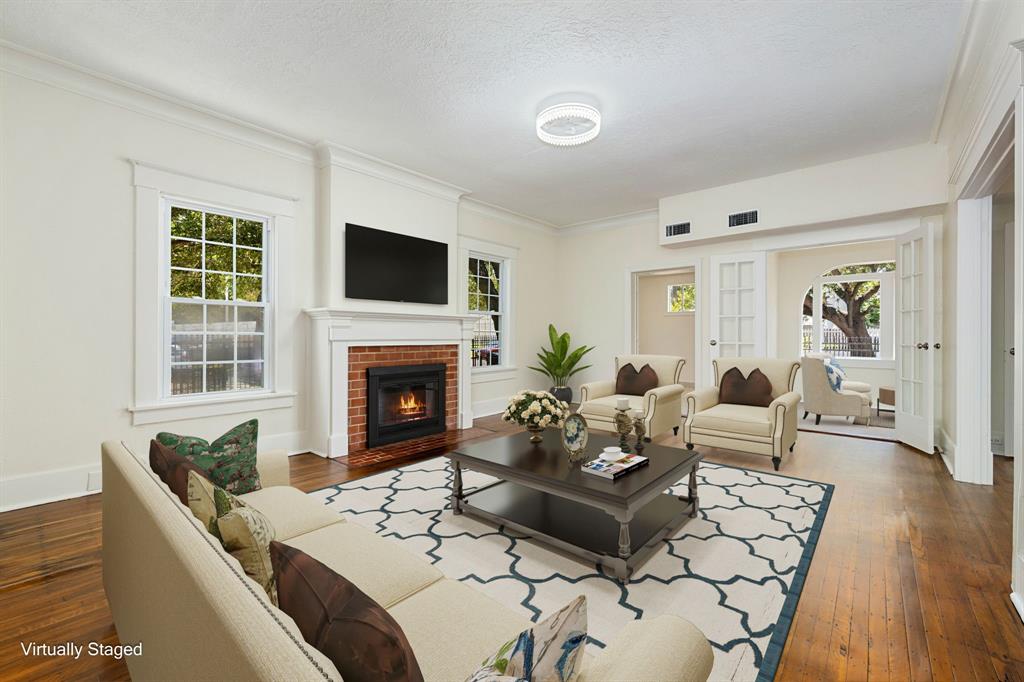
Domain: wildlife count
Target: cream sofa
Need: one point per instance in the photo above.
(852, 400)
(765, 431)
(661, 407)
(172, 587)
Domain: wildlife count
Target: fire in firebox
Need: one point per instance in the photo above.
(409, 405)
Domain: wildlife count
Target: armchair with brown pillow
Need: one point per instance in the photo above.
(651, 385)
(751, 408)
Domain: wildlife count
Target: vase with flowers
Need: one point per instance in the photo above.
(536, 410)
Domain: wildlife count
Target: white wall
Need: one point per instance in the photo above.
(536, 299)
(801, 267)
(67, 264)
(660, 332)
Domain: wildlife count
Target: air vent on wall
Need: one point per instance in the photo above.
(677, 229)
(745, 218)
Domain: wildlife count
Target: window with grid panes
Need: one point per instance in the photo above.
(217, 302)
(486, 298)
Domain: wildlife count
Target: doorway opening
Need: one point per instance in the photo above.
(665, 316)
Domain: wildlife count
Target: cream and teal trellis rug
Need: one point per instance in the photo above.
(735, 571)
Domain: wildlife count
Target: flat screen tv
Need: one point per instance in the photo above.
(386, 266)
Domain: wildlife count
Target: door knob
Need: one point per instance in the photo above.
(1012, 351)
(923, 346)
(714, 343)
(937, 346)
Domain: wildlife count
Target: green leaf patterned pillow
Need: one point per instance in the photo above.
(229, 461)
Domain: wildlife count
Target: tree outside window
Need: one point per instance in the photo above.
(682, 298)
(852, 305)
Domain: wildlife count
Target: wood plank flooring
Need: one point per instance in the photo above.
(910, 580)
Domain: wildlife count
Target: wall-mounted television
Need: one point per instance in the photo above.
(387, 266)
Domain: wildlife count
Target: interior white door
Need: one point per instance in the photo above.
(737, 306)
(915, 335)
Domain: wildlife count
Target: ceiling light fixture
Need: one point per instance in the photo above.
(569, 124)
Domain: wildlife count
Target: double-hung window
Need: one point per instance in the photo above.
(487, 299)
(217, 308)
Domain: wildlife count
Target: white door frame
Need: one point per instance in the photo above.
(1017, 584)
(632, 275)
(1011, 265)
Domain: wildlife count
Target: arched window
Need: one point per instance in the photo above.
(849, 312)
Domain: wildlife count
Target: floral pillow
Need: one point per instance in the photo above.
(835, 374)
(551, 650)
(229, 461)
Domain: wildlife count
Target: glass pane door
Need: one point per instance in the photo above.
(738, 306)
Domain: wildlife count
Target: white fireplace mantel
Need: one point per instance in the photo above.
(334, 330)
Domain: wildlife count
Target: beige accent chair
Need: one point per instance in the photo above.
(764, 431)
(852, 400)
(172, 587)
(661, 407)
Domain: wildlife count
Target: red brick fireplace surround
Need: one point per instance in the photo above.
(360, 358)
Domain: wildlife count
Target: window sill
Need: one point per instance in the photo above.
(170, 411)
(483, 375)
(866, 363)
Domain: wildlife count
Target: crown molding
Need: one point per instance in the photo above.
(507, 216)
(340, 156)
(612, 222)
(966, 21)
(41, 68)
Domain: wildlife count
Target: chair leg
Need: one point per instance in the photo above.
(776, 461)
(646, 439)
(675, 430)
(792, 446)
(806, 413)
(689, 446)
(817, 419)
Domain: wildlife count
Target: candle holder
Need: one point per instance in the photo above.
(624, 426)
(641, 430)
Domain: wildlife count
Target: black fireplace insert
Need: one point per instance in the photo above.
(404, 402)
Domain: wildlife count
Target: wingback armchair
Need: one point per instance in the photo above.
(853, 399)
(767, 431)
(661, 407)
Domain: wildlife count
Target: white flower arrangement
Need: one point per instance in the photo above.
(537, 409)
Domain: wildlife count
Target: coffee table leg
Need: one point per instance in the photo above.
(693, 492)
(625, 545)
(456, 489)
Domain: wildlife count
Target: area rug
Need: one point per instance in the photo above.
(735, 571)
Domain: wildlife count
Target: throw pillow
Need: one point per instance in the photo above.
(551, 650)
(362, 639)
(209, 502)
(755, 389)
(229, 461)
(835, 374)
(172, 469)
(631, 382)
(245, 533)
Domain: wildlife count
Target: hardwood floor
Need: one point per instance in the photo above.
(910, 580)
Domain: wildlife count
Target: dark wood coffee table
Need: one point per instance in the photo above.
(617, 524)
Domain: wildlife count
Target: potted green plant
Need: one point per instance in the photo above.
(559, 363)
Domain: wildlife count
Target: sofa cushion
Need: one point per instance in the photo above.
(246, 535)
(291, 511)
(745, 419)
(453, 628)
(359, 554)
(172, 469)
(362, 640)
(755, 389)
(549, 650)
(229, 461)
(629, 381)
(605, 407)
(865, 398)
(856, 386)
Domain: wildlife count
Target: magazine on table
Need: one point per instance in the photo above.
(615, 468)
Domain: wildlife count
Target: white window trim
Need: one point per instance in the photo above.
(153, 187)
(668, 299)
(886, 342)
(470, 247)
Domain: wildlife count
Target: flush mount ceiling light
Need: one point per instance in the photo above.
(568, 124)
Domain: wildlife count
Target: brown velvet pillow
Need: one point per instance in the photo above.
(755, 390)
(172, 469)
(631, 382)
(362, 639)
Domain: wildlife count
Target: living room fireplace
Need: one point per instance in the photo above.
(403, 402)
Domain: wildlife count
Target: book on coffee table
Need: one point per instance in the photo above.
(615, 468)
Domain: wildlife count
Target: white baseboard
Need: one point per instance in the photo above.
(1018, 603)
(947, 449)
(29, 490)
(294, 442)
(485, 408)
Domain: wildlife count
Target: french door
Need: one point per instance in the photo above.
(737, 306)
(915, 334)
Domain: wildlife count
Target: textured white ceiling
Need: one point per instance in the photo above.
(693, 94)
